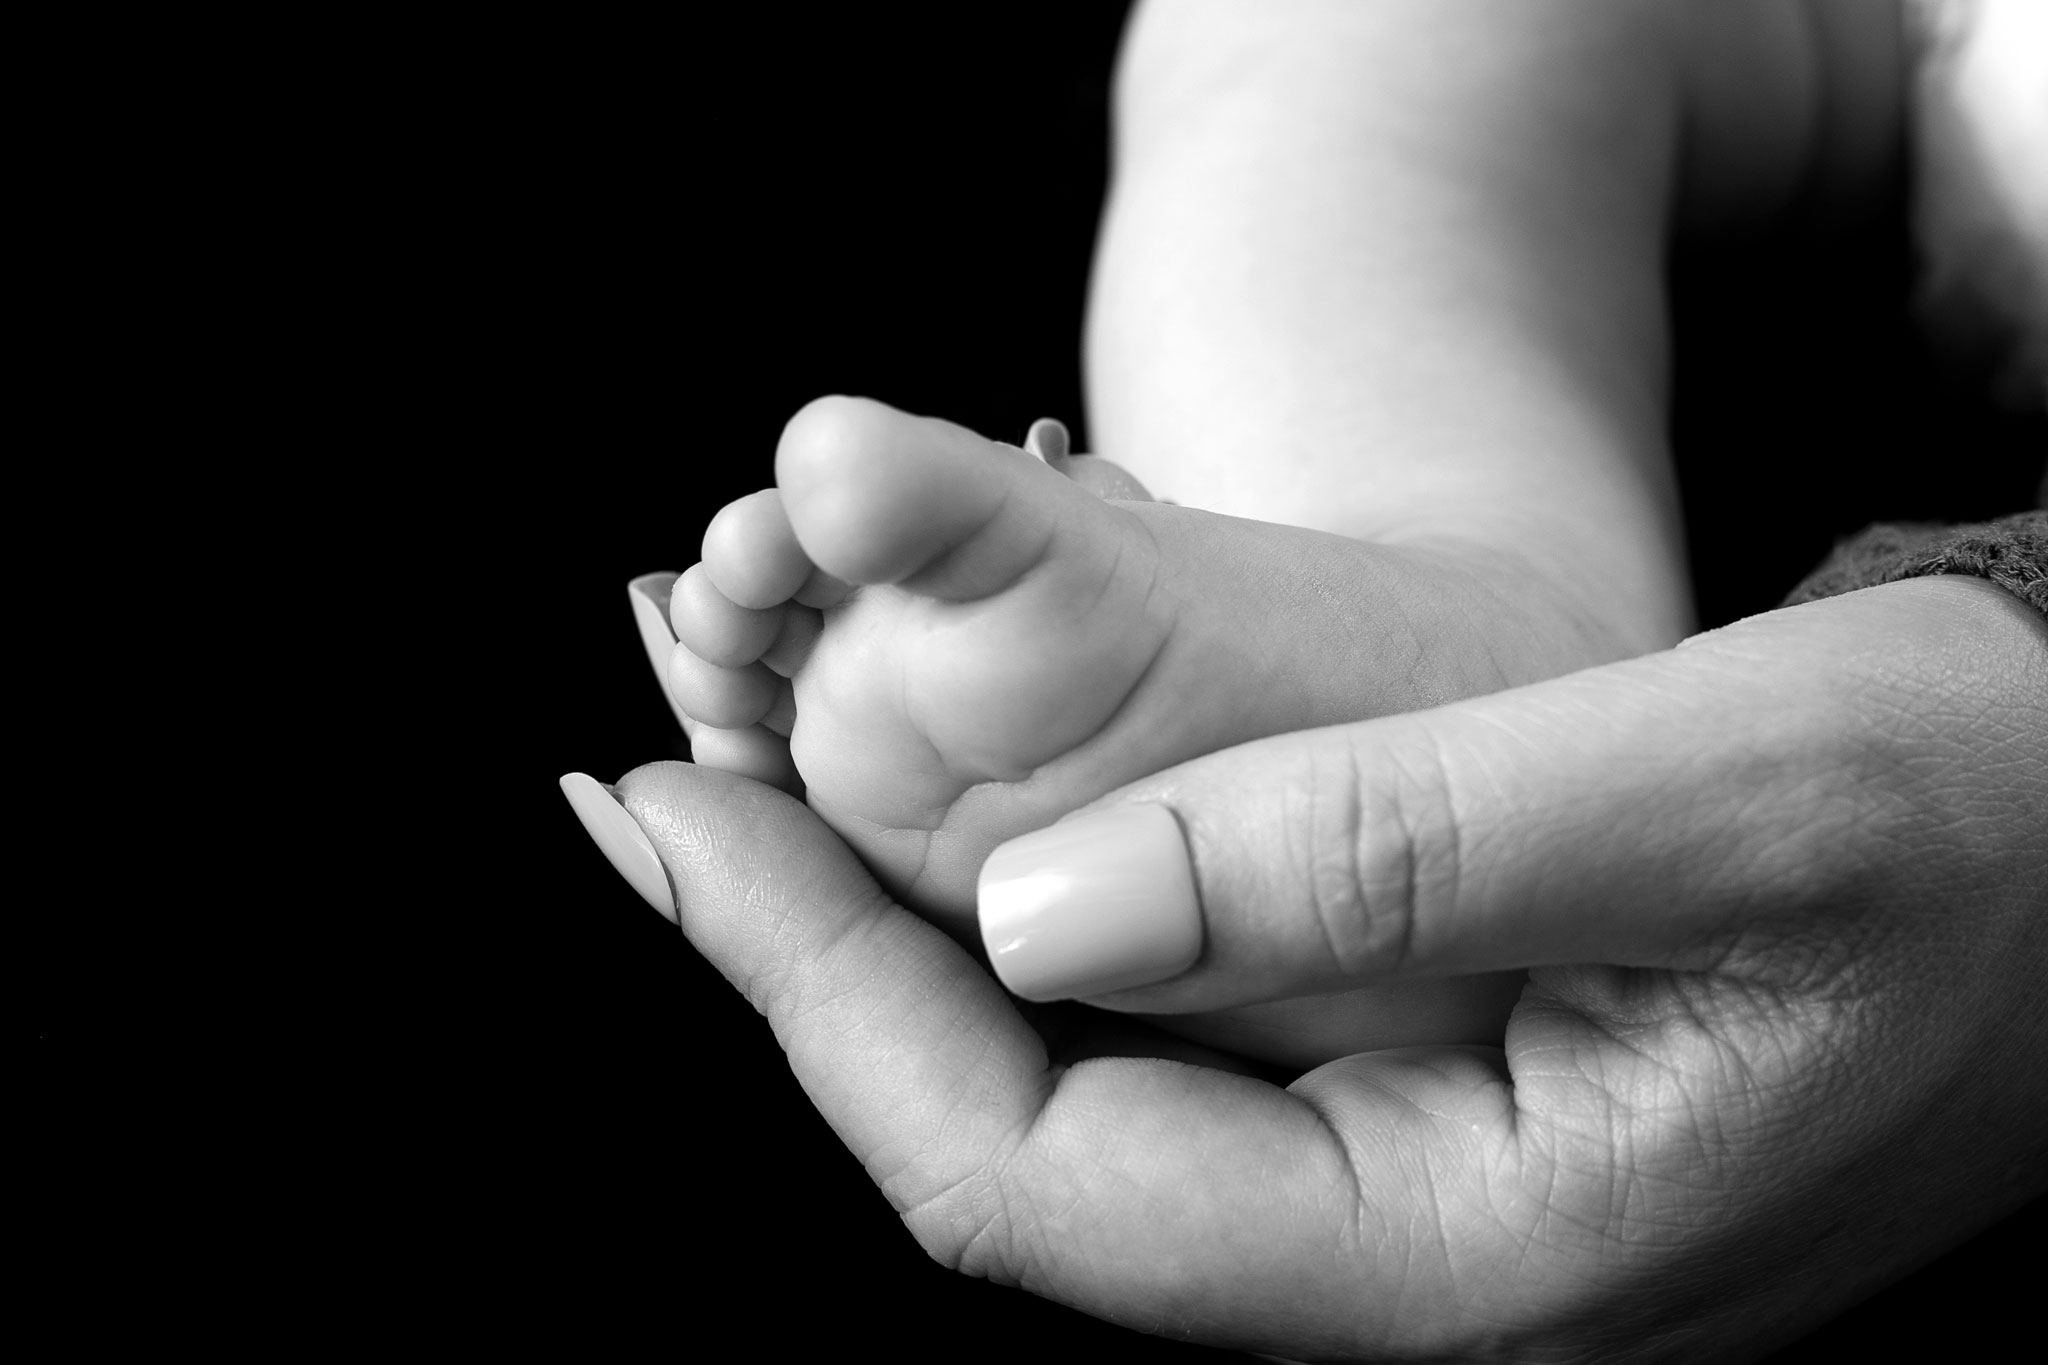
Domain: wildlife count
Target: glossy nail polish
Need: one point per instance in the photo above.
(619, 837)
(649, 594)
(1099, 903)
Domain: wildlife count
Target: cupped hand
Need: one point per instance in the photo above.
(1784, 891)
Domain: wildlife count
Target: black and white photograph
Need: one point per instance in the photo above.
(1197, 680)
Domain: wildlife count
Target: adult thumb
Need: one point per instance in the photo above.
(1668, 811)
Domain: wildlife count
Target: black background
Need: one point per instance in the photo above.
(908, 213)
(543, 298)
(701, 239)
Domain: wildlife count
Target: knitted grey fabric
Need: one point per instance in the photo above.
(2012, 552)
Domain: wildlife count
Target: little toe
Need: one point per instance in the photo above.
(879, 496)
(727, 698)
(714, 628)
(751, 752)
(751, 554)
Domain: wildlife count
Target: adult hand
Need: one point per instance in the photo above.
(1808, 855)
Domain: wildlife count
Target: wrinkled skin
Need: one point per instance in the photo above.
(1783, 892)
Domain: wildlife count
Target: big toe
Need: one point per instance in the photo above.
(875, 495)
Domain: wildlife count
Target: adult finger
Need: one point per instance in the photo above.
(1160, 1195)
(1679, 810)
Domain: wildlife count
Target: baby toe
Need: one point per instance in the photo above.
(727, 698)
(714, 628)
(876, 493)
(752, 752)
(881, 497)
(752, 556)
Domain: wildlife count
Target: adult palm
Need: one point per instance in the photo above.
(1806, 859)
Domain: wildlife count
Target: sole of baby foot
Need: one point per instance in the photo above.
(994, 646)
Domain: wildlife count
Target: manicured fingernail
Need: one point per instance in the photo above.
(1100, 903)
(1048, 440)
(649, 594)
(619, 837)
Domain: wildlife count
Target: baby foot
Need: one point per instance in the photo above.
(954, 643)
